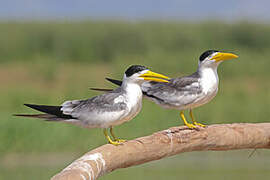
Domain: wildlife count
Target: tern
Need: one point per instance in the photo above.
(187, 92)
(106, 110)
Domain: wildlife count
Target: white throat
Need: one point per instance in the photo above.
(133, 93)
(209, 79)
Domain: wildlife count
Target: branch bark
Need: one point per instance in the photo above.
(175, 140)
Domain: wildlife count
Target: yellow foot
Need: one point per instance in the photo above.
(120, 140)
(116, 143)
(190, 126)
(199, 124)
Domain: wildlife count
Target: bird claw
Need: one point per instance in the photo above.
(116, 143)
(190, 126)
(199, 124)
(120, 140)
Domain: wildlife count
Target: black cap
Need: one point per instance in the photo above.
(206, 54)
(134, 69)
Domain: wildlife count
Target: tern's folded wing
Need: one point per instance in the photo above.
(104, 103)
(178, 92)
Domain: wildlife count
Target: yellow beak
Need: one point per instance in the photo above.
(152, 76)
(220, 56)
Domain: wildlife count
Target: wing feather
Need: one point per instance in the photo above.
(94, 106)
(175, 92)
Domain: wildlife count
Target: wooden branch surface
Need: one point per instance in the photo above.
(223, 137)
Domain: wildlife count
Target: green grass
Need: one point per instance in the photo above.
(48, 63)
(120, 44)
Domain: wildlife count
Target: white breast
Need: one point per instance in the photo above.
(209, 84)
(209, 81)
(133, 98)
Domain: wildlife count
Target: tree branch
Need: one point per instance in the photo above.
(165, 143)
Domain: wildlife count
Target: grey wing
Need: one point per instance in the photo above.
(178, 92)
(96, 107)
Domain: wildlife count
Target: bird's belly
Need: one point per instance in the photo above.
(110, 119)
(133, 108)
(101, 119)
(182, 104)
(202, 99)
(129, 115)
(134, 105)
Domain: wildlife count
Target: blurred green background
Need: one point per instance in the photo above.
(50, 62)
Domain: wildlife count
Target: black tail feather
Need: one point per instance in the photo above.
(102, 89)
(114, 81)
(53, 110)
(47, 117)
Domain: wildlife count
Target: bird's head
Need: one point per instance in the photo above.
(138, 74)
(212, 58)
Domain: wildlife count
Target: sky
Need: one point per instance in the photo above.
(196, 10)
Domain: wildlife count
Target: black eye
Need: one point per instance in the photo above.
(134, 69)
(206, 54)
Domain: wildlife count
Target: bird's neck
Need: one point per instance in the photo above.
(208, 71)
(132, 90)
(133, 96)
(208, 78)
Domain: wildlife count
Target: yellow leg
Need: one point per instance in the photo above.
(115, 138)
(109, 139)
(193, 119)
(191, 126)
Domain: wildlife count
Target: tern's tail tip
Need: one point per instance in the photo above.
(22, 115)
(28, 105)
